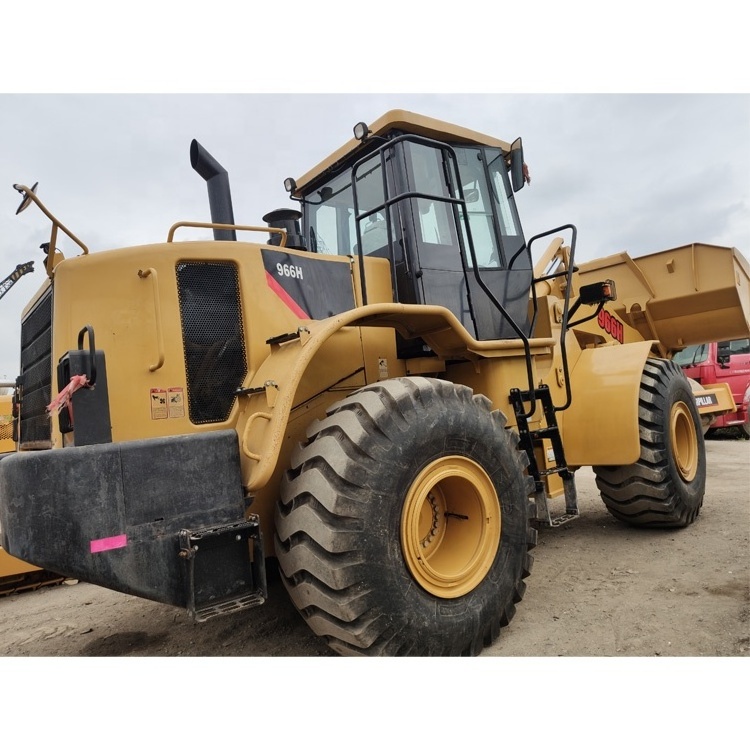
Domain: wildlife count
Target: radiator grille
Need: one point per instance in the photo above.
(36, 374)
(213, 337)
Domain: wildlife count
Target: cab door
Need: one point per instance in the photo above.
(449, 239)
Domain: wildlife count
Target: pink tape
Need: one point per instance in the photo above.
(110, 542)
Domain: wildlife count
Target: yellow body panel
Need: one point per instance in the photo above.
(722, 392)
(11, 566)
(601, 425)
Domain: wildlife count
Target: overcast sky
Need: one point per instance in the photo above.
(635, 172)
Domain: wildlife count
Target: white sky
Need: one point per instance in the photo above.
(636, 127)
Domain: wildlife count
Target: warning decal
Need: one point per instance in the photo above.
(167, 403)
(176, 403)
(159, 403)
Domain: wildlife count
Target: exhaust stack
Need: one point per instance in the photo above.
(219, 195)
(287, 219)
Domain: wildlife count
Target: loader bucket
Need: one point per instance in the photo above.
(688, 295)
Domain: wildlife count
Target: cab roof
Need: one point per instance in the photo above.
(410, 122)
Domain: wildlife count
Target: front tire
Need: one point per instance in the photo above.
(665, 487)
(404, 523)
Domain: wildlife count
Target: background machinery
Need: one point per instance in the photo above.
(15, 574)
(7, 283)
(722, 362)
(383, 391)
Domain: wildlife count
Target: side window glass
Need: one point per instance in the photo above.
(510, 226)
(740, 346)
(374, 233)
(324, 233)
(478, 208)
(370, 184)
(507, 219)
(434, 217)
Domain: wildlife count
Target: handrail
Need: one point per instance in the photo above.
(213, 225)
(157, 318)
(569, 271)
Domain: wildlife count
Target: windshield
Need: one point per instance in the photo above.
(691, 355)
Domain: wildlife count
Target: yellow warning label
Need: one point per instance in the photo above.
(159, 403)
(176, 403)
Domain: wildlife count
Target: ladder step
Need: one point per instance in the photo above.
(543, 432)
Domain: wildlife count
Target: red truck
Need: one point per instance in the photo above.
(722, 362)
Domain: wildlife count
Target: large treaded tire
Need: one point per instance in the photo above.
(665, 487)
(341, 519)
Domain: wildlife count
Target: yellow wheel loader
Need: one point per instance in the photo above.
(378, 387)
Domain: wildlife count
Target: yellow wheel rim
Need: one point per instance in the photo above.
(684, 439)
(450, 526)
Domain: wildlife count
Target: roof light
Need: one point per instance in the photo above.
(290, 185)
(361, 131)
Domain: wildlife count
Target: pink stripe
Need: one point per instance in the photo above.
(110, 542)
(286, 298)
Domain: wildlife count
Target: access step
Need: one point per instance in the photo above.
(226, 569)
(530, 439)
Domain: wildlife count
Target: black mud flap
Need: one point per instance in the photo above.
(129, 517)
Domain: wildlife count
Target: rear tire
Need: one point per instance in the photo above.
(404, 523)
(665, 487)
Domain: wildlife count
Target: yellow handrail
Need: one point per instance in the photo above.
(211, 225)
(157, 318)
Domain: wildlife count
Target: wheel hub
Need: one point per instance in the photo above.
(684, 441)
(450, 526)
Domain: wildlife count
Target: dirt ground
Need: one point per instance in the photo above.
(598, 588)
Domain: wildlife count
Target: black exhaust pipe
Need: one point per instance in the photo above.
(219, 196)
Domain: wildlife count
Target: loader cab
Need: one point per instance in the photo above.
(442, 213)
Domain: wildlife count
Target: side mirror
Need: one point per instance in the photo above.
(516, 165)
(26, 202)
(722, 354)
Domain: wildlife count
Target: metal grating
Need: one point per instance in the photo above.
(36, 374)
(213, 337)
